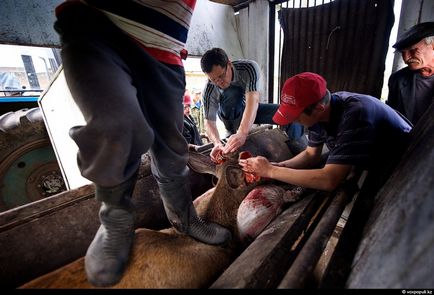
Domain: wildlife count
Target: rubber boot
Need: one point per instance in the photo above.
(109, 251)
(182, 215)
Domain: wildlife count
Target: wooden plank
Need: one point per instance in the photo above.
(397, 249)
(23, 214)
(408, 190)
(339, 264)
(61, 228)
(45, 235)
(302, 268)
(266, 260)
(43, 244)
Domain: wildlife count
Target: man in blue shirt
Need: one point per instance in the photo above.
(359, 131)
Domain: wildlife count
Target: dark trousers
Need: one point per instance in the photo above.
(131, 102)
(232, 104)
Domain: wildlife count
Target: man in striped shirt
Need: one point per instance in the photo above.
(122, 62)
(232, 93)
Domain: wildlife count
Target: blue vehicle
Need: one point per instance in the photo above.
(28, 166)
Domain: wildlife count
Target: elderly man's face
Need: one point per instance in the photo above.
(418, 55)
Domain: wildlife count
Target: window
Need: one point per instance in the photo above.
(26, 69)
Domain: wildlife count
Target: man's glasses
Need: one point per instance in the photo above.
(220, 77)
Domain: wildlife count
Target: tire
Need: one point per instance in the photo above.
(28, 166)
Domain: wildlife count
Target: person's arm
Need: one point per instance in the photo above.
(212, 131)
(306, 159)
(327, 178)
(213, 134)
(249, 115)
(238, 139)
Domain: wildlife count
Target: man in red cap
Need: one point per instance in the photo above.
(411, 89)
(359, 131)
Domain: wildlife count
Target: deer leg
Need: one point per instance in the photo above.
(108, 253)
(182, 215)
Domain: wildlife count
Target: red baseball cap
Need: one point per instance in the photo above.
(187, 99)
(299, 92)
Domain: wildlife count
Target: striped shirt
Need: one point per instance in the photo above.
(246, 75)
(160, 26)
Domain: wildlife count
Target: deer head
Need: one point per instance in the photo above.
(232, 187)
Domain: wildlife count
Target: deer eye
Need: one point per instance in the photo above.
(234, 177)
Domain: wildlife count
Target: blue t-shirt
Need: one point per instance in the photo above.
(361, 131)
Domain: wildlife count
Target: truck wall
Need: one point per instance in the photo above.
(30, 22)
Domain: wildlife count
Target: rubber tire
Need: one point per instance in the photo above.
(24, 133)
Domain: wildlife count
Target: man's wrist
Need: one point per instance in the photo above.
(272, 171)
(243, 133)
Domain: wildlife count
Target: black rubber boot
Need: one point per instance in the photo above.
(182, 215)
(109, 251)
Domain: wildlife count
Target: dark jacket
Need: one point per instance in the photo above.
(402, 95)
(190, 132)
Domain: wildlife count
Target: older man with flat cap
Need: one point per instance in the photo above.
(411, 89)
(359, 131)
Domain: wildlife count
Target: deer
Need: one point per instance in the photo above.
(169, 259)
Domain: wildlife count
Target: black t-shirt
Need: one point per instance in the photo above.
(362, 131)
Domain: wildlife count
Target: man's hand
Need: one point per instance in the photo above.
(235, 141)
(216, 151)
(258, 165)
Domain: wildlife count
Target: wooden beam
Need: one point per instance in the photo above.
(266, 260)
(45, 235)
(42, 236)
(397, 247)
(410, 179)
(302, 268)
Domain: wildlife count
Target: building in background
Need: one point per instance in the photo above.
(34, 67)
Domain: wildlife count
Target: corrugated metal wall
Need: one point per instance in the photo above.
(345, 41)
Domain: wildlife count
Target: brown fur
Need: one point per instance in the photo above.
(168, 259)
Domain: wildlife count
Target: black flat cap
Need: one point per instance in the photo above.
(414, 35)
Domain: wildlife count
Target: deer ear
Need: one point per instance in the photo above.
(234, 177)
(201, 163)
